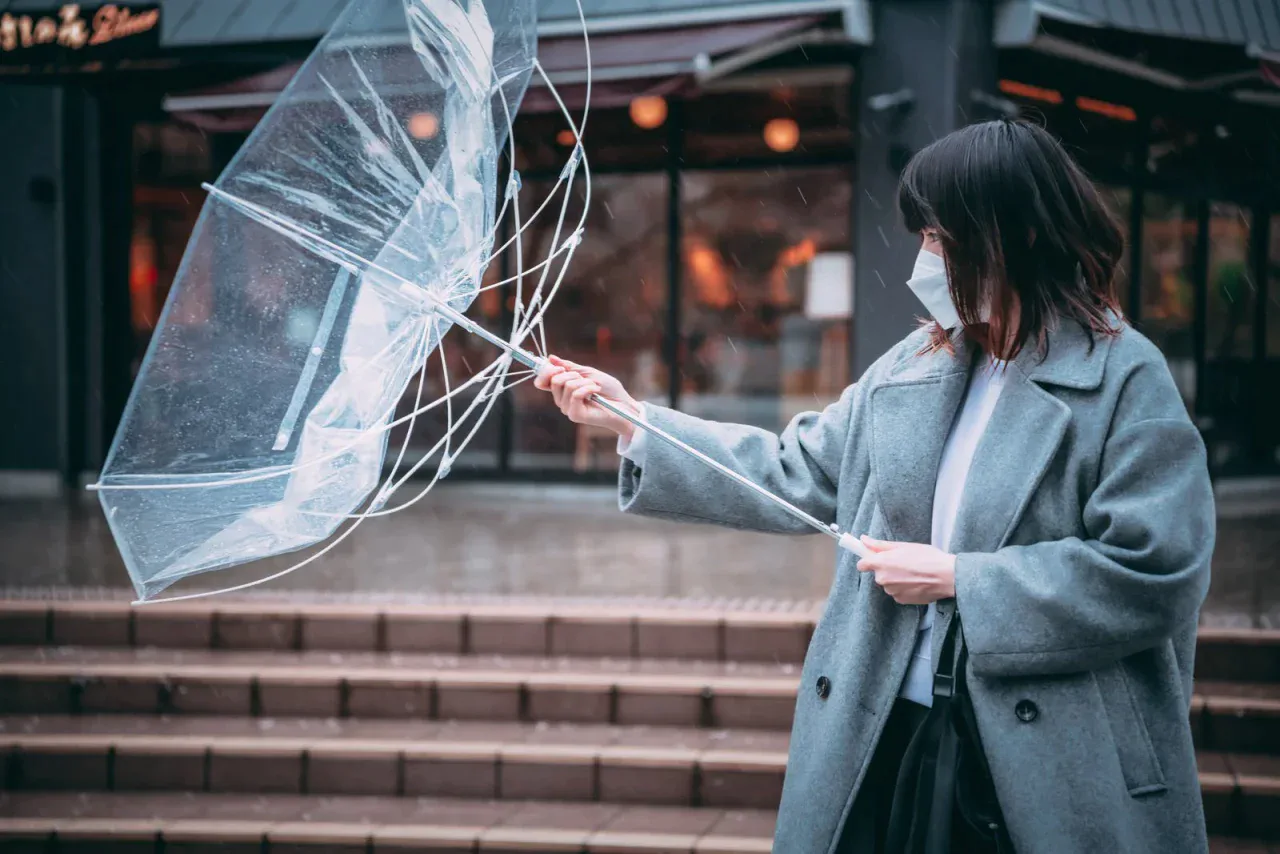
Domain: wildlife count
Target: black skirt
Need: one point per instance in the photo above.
(868, 825)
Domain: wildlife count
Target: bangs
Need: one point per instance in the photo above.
(914, 195)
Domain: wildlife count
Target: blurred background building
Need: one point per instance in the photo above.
(743, 259)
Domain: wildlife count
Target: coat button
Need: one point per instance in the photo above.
(823, 687)
(1026, 711)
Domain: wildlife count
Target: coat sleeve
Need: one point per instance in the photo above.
(1080, 604)
(802, 465)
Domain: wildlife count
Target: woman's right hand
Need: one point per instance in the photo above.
(571, 385)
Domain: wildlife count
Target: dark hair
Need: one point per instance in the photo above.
(1015, 215)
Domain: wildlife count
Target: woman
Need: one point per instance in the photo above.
(1023, 460)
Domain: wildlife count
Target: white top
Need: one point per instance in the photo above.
(953, 469)
(957, 454)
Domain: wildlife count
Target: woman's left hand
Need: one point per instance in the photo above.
(912, 573)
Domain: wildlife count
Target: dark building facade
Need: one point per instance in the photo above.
(743, 259)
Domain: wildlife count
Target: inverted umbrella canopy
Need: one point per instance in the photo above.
(303, 305)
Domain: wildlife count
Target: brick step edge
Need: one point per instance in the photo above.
(552, 628)
(173, 837)
(635, 629)
(491, 770)
(1241, 794)
(683, 700)
(234, 837)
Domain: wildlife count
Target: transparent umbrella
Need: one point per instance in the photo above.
(332, 256)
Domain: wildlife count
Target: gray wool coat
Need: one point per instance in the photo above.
(1083, 539)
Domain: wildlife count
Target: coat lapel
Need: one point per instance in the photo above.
(910, 418)
(1020, 441)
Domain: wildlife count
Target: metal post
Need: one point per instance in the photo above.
(903, 104)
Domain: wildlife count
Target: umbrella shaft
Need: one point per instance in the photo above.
(525, 357)
(662, 435)
(521, 355)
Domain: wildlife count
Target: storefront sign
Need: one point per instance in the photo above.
(79, 34)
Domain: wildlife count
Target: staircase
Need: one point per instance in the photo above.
(266, 727)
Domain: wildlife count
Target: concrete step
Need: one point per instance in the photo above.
(1241, 794)
(1237, 717)
(1238, 655)
(166, 823)
(553, 628)
(564, 628)
(628, 692)
(573, 762)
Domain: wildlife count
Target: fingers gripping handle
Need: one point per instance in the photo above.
(850, 543)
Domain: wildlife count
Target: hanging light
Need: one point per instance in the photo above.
(782, 134)
(423, 125)
(648, 111)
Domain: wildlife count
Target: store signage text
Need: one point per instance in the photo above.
(72, 29)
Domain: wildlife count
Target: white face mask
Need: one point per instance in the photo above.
(929, 283)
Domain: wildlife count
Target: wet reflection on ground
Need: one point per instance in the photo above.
(525, 540)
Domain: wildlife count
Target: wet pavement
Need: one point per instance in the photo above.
(471, 540)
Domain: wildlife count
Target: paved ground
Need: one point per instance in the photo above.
(478, 540)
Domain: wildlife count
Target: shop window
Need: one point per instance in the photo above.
(1119, 201)
(769, 121)
(633, 134)
(170, 161)
(1231, 294)
(609, 312)
(1101, 134)
(1230, 155)
(766, 293)
(1229, 398)
(1169, 232)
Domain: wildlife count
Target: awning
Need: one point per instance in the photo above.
(1219, 46)
(201, 23)
(623, 64)
(1254, 26)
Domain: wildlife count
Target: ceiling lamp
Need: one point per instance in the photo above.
(423, 125)
(649, 111)
(782, 134)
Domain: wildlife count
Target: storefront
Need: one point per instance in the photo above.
(742, 254)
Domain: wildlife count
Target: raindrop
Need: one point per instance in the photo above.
(883, 236)
(802, 198)
(446, 466)
(608, 210)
